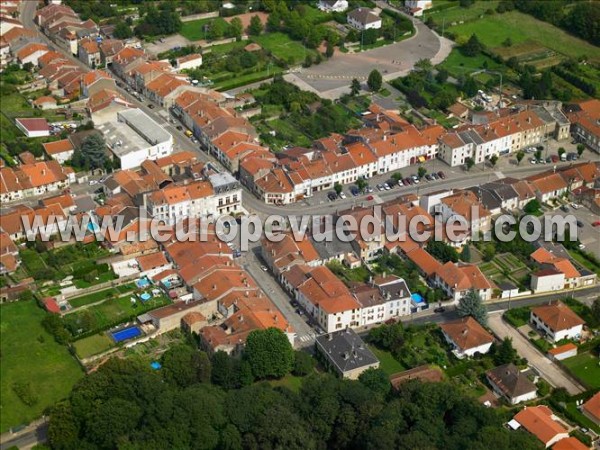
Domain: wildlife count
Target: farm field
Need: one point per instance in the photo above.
(92, 345)
(586, 367)
(493, 30)
(33, 360)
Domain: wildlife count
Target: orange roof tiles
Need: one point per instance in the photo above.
(539, 422)
(467, 333)
(592, 406)
(56, 147)
(557, 316)
(152, 261)
(424, 261)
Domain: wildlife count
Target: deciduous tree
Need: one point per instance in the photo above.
(269, 353)
(375, 80)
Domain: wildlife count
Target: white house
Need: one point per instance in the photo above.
(546, 280)
(364, 19)
(557, 321)
(60, 151)
(33, 127)
(333, 5)
(467, 337)
(417, 7)
(189, 61)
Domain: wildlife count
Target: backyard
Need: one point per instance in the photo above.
(36, 372)
(284, 48)
(93, 345)
(387, 362)
(505, 267)
(586, 367)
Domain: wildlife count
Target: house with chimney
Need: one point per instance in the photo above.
(345, 353)
(467, 337)
(556, 321)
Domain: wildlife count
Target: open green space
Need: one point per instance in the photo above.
(584, 421)
(292, 382)
(457, 13)
(586, 367)
(387, 362)
(31, 363)
(110, 313)
(194, 29)
(284, 48)
(93, 345)
(101, 295)
(458, 64)
(493, 30)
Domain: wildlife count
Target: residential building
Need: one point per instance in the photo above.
(34, 179)
(548, 185)
(61, 151)
(89, 52)
(556, 321)
(333, 5)
(547, 280)
(345, 353)
(560, 265)
(591, 409)
(467, 337)
(417, 7)
(511, 383)
(96, 81)
(585, 120)
(31, 53)
(45, 102)
(457, 279)
(364, 19)
(570, 443)
(9, 254)
(191, 61)
(564, 351)
(542, 423)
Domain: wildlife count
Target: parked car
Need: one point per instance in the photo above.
(264, 268)
(409, 181)
(554, 158)
(428, 177)
(442, 175)
(435, 176)
(93, 182)
(379, 187)
(575, 206)
(564, 208)
(386, 186)
(580, 224)
(532, 161)
(342, 195)
(370, 197)
(332, 196)
(354, 191)
(439, 309)
(596, 223)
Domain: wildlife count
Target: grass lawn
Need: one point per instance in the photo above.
(96, 296)
(388, 363)
(583, 420)
(457, 13)
(581, 259)
(93, 345)
(586, 367)
(193, 30)
(493, 31)
(247, 79)
(111, 312)
(457, 63)
(31, 356)
(284, 48)
(291, 382)
(518, 317)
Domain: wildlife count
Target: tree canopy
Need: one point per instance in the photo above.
(269, 353)
(472, 305)
(375, 80)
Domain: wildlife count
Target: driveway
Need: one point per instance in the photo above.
(546, 368)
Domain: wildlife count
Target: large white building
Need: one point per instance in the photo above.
(364, 19)
(333, 5)
(134, 137)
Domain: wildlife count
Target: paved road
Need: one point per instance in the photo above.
(35, 434)
(332, 78)
(547, 368)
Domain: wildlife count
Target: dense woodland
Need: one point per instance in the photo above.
(201, 403)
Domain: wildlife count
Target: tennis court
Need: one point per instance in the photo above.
(125, 334)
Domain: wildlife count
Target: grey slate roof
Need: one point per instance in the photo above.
(345, 350)
(510, 380)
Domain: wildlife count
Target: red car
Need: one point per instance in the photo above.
(596, 223)
(370, 197)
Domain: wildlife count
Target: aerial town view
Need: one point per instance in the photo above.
(300, 224)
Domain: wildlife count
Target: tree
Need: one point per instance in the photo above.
(580, 149)
(507, 42)
(442, 76)
(493, 160)
(396, 176)
(63, 430)
(236, 28)
(473, 46)
(184, 366)
(421, 171)
(470, 87)
(337, 187)
(269, 353)
(361, 184)
(303, 364)
(442, 251)
(469, 162)
(424, 66)
(466, 3)
(489, 251)
(256, 26)
(354, 87)
(520, 155)
(330, 50)
(122, 30)
(538, 155)
(376, 380)
(308, 61)
(505, 353)
(92, 154)
(465, 255)
(596, 309)
(561, 151)
(532, 207)
(375, 81)
(471, 305)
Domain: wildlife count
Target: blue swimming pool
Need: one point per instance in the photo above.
(145, 296)
(127, 333)
(142, 282)
(417, 298)
(93, 227)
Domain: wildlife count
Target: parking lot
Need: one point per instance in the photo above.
(588, 234)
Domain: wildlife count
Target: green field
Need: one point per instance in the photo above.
(458, 14)
(284, 48)
(100, 295)
(30, 356)
(293, 383)
(493, 30)
(586, 367)
(458, 64)
(388, 363)
(193, 30)
(93, 345)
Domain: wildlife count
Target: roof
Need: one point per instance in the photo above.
(592, 406)
(570, 443)
(424, 261)
(364, 16)
(57, 147)
(44, 99)
(562, 349)
(557, 316)
(466, 333)
(31, 124)
(346, 350)
(152, 261)
(539, 422)
(510, 380)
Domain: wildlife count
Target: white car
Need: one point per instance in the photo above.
(386, 186)
(93, 182)
(575, 206)
(342, 195)
(581, 246)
